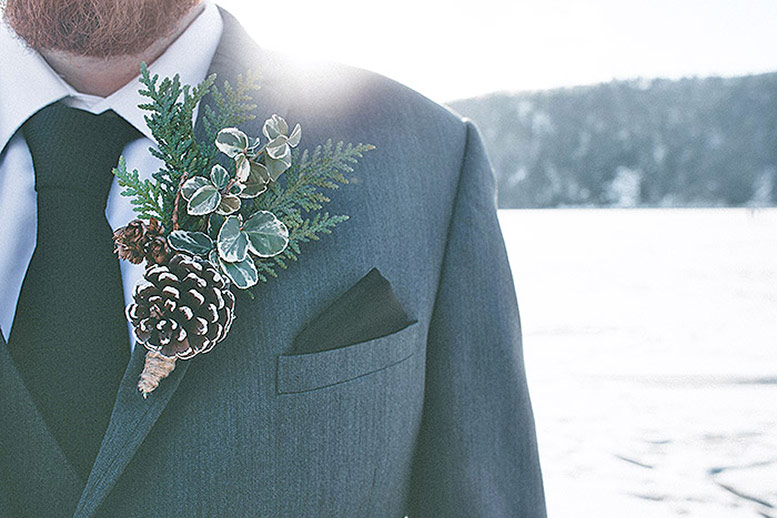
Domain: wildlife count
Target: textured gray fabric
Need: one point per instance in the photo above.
(29, 455)
(432, 420)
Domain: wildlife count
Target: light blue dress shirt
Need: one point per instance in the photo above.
(27, 84)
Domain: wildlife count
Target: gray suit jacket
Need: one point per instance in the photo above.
(431, 420)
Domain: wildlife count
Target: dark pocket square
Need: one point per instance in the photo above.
(368, 310)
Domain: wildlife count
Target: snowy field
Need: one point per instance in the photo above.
(650, 339)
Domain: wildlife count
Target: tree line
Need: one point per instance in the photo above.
(670, 143)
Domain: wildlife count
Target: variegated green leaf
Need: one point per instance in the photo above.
(219, 176)
(192, 185)
(257, 181)
(204, 201)
(231, 142)
(254, 145)
(296, 136)
(267, 235)
(278, 147)
(215, 221)
(236, 189)
(277, 167)
(232, 242)
(195, 243)
(243, 274)
(242, 168)
(275, 126)
(229, 205)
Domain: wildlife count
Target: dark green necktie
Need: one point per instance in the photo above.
(69, 338)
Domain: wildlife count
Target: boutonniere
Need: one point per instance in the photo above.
(220, 215)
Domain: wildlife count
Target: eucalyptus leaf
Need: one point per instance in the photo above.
(243, 274)
(267, 235)
(192, 185)
(195, 243)
(232, 242)
(231, 142)
(229, 205)
(204, 201)
(219, 176)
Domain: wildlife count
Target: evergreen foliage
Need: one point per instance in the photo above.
(294, 198)
(233, 106)
(145, 195)
(300, 191)
(171, 121)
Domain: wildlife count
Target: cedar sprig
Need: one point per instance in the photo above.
(299, 191)
(324, 168)
(301, 231)
(231, 107)
(144, 195)
(171, 121)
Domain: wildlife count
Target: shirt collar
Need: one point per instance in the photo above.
(33, 84)
(27, 79)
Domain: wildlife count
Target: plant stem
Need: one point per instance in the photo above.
(174, 219)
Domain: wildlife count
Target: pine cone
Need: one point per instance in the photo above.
(154, 229)
(129, 242)
(158, 251)
(183, 308)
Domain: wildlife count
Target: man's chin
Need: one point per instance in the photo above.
(97, 29)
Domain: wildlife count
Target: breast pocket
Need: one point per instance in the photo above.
(311, 371)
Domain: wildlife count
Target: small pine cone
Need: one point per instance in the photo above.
(158, 251)
(154, 229)
(129, 242)
(183, 308)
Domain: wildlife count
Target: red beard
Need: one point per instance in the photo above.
(95, 28)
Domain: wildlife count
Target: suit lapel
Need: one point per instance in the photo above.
(133, 416)
(29, 454)
(132, 419)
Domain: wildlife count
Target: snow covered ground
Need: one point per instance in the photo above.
(650, 340)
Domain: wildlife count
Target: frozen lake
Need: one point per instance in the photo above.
(650, 340)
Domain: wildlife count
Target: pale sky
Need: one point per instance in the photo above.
(453, 49)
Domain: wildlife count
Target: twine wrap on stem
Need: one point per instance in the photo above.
(156, 368)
